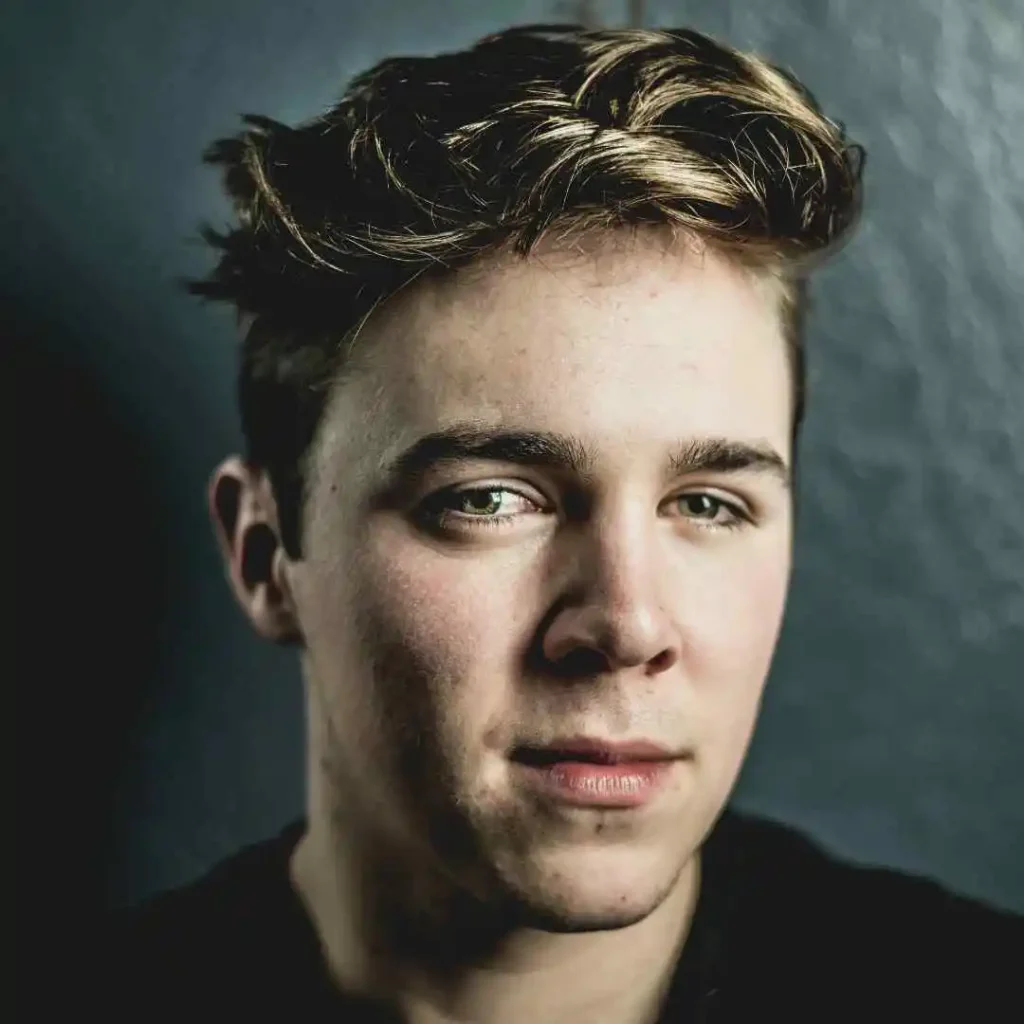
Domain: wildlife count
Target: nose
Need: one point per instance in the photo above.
(613, 608)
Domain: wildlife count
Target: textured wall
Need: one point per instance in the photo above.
(163, 736)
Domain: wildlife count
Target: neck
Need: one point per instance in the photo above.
(391, 930)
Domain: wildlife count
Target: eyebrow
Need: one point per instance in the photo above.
(467, 442)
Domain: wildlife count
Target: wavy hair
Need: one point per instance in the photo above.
(427, 163)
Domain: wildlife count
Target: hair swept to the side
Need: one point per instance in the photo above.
(429, 162)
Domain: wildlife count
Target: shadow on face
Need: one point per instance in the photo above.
(551, 504)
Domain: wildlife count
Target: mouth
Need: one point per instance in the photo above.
(585, 772)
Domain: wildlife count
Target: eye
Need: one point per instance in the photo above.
(475, 507)
(709, 511)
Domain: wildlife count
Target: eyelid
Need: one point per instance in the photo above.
(533, 494)
(728, 498)
(520, 488)
(440, 502)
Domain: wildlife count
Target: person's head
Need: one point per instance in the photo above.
(520, 386)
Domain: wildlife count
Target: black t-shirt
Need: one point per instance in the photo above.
(782, 932)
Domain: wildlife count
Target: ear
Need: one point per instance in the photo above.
(245, 522)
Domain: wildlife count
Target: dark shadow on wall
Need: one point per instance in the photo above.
(90, 593)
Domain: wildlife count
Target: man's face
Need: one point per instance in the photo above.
(464, 615)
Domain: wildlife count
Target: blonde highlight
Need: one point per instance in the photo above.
(427, 163)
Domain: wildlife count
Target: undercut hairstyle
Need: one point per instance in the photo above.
(428, 163)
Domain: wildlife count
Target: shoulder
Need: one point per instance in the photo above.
(214, 938)
(850, 936)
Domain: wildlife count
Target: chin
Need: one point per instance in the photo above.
(594, 890)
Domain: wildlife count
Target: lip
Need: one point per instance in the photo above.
(598, 751)
(588, 772)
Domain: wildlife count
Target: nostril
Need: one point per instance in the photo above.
(581, 663)
(663, 660)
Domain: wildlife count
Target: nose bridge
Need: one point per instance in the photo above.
(618, 594)
(617, 561)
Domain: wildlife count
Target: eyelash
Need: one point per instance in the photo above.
(437, 511)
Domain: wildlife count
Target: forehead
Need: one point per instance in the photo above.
(620, 341)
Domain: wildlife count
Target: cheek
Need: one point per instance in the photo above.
(735, 610)
(731, 624)
(447, 632)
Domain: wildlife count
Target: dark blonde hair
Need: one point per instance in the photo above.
(427, 163)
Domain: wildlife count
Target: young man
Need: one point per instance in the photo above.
(520, 386)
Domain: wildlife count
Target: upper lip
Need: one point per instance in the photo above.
(585, 748)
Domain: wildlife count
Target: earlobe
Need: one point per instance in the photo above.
(244, 516)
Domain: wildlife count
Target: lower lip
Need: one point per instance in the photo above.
(585, 784)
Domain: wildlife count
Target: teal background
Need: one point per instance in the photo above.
(155, 735)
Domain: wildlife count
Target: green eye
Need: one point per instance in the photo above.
(702, 505)
(472, 507)
(710, 512)
(478, 502)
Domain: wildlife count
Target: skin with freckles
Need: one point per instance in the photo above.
(454, 602)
